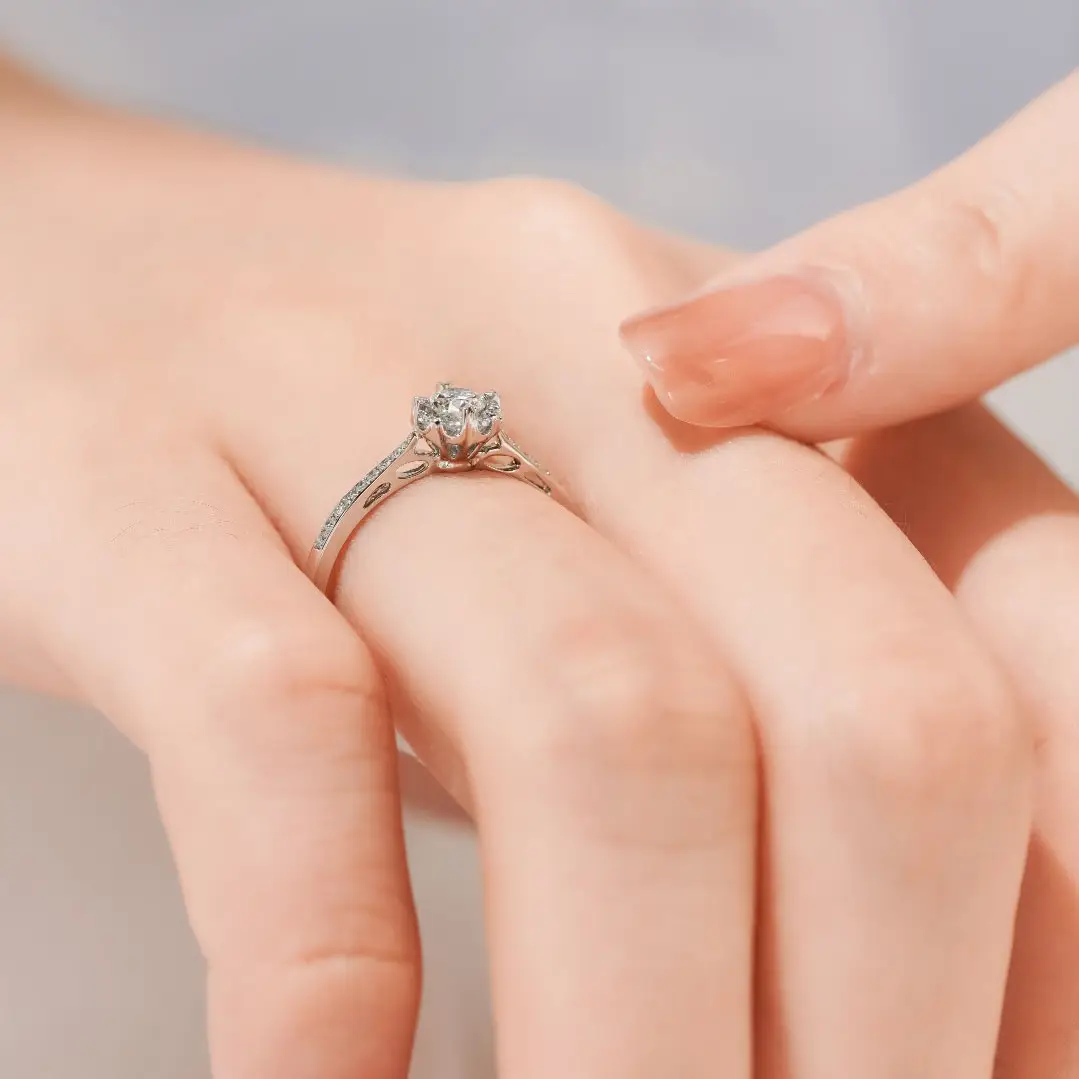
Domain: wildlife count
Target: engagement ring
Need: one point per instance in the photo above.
(453, 430)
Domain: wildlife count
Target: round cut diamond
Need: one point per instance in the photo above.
(456, 421)
(452, 404)
(447, 393)
(452, 420)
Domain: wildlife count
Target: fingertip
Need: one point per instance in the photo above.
(743, 353)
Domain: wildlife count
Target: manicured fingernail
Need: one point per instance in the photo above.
(744, 353)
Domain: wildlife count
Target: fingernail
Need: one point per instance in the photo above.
(744, 353)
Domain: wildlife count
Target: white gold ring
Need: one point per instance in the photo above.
(453, 430)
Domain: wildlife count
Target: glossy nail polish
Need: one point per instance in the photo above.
(745, 353)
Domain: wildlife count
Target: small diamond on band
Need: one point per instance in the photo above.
(355, 492)
(453, 430)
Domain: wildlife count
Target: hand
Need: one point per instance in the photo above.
(903, 308)
(203, 348)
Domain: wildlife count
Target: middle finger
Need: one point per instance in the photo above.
(896, 772)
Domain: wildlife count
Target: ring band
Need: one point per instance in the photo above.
(453, 430)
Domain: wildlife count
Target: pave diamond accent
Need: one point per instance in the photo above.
(454, 422)
(354, 493)
(455, 430)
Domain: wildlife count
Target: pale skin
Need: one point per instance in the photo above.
(202, 346)
(929, 298)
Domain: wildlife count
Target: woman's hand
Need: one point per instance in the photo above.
(900, 309)
(202, 348)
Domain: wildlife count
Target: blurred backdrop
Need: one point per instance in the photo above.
(738, 120)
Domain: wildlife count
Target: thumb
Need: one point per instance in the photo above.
(896, 309)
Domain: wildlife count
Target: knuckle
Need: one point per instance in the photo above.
(987, 227)
(391, 951)
(387, 948)
(621, 698)
(563, 249)
(258, 662)
(545, 208)
(563, 229)
(932, 733)
(636, 740)
(268, 1017)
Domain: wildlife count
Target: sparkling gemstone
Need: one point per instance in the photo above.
(456, 420)
(424, 414)
(452, 403)
(448, 393)
(452, 420)
(486, 409)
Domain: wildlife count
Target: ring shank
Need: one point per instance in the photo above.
(410, 461)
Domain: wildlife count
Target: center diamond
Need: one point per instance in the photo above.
(457, 421)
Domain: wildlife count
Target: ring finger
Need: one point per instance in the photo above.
(608, 764)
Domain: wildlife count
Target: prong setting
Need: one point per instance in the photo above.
(456, 421)
(453, 430)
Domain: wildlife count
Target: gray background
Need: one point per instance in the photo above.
(736, 120)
